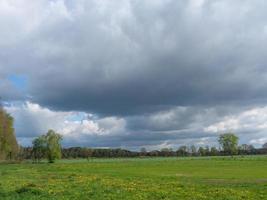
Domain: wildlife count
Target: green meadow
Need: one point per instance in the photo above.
(219, 178)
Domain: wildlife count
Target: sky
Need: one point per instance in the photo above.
(133, 73)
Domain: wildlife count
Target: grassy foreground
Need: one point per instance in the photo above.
(149, 178)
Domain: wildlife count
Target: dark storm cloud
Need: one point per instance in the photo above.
(144, 56)
(179, 118)
(162, 66)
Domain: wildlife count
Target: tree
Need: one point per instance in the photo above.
(166, 152)
(251, 149)
(244, 147)
(264, 146)
(143, 151)
(39, 149)
(207, 150)
(201, 151)
(48, 146)
(229, 143)
(213, 151)
(53, 145)
(182, 151)
(8, 143)
(193, 150)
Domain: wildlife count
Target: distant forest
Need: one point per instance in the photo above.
(48, 146)
(228, 146)
(183, 151)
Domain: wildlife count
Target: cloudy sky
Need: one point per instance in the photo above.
(135, 73)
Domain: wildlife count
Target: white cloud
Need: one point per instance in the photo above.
(250, 125)
(32, 120)
(252, 119)
(259, 141)
(86, 129)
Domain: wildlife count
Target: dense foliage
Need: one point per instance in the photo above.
(229, 143)
(47, 146)
(8, 143)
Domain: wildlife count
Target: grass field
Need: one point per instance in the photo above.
(148, 178)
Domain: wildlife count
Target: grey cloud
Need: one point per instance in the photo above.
(160, 65)
(144, 55)
(181, 118)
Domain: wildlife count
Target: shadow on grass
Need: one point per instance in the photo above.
(29, 188)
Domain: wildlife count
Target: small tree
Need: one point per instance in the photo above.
(193, 150)
(264, 146)
(48, 146)
(207, 150)
(213, 151)
(229, 143)
(53, 146)
(182, 151)
(201, 151)
(39, 148)
(8, 144)
(143, 151)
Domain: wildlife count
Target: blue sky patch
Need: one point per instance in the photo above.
(19, 81)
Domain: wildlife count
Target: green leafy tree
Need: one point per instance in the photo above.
(193, 150)
(8, 144)
(166, 152)
(264, 146)
(53, 146)
(143, 151)
(229, 143)
(182, 151)
(213, 151)
(201, 151)
(47, 146)
(207, 151)
(39, 148)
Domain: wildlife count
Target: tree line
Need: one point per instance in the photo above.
(228, 143)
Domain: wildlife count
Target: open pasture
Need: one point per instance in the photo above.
(219, 178)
